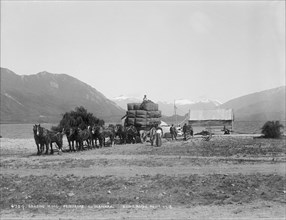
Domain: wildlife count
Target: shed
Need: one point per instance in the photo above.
(217, 118)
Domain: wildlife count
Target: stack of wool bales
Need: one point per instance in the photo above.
(145, 114)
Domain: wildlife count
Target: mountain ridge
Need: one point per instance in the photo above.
(259, 106)
(45, 96)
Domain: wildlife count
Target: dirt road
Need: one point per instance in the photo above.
(234, 177)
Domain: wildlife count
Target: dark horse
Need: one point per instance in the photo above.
(120, 132)
(46, 137)
(84, 135)
(102, 133)
(80, 136)
(71, 137)
(95, 135)
(131, 134)
(38, 140)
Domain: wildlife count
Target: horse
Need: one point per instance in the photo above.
(47, 138)
(120, 131)
(71, 137)
(83, 135)
(143, 135)
(56, 137)
(131, 134)
(43, 137)
(38, 140)
(110, 133)
(101, 133)
(95, 132)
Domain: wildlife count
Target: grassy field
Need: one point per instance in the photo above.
(226, 177)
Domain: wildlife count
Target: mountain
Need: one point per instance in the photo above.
(259, 106)
(184, 106)
(44, 97)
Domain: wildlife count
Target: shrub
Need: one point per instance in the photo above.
(272, 129)
(77, 118)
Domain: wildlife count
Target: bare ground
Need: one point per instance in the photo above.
(226, 177)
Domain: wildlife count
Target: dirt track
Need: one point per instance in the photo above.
(232, 177)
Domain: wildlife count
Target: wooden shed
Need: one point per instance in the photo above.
(211, 119)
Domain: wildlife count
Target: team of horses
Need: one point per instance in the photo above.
(94, 136)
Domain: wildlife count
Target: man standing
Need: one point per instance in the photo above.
(185, 131)
(159, 134)
(173, 132)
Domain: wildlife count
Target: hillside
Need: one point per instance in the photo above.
(44, 97)
(260, 106)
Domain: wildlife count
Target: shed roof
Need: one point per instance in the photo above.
(217, 114)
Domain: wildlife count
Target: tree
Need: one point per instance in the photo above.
(272, 129)
(78, 118)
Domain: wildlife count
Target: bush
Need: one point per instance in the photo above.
(272, 129)
(77, 118)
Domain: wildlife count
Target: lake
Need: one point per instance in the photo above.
(25, 131)
(20, 131)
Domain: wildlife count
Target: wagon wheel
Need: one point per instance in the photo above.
(208, 136)
(188, 136)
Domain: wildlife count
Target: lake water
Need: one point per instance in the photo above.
(21, 131)
(25, 131)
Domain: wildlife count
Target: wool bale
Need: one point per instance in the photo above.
(141, 114)
(153, 121)
(130, 106)
(131, 113)
(149, 106)
(133, 106)
(137, 106)
(143, 122)
(130, 121)
(154, 114)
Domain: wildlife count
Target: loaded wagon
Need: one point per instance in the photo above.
(143, 115)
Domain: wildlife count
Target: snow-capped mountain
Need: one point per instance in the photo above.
(189, 102)
(260, 106)
(184, 102)
(182, 105)
(122, 101)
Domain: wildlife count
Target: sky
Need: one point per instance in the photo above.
(168, 50)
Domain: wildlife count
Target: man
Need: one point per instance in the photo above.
(185, 131)
(159, 134)
(173, 132)
(191, 130)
